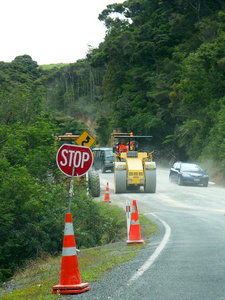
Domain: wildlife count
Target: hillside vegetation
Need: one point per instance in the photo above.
(160, 71)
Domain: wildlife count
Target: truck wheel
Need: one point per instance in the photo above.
(205, 184)
(103, 169)
(94, 183)
(150, 181)
(180, 181)
(120, 181)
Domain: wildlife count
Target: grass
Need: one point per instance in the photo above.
(37, 279)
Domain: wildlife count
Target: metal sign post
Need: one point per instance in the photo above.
(71, 188)
(87, 181)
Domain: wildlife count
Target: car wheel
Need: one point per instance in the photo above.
(205, 184)
(180, 181)
(103, 169)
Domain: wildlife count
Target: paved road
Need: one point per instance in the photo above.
(186, 259)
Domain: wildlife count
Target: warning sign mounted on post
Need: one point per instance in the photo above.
(85, 139)
(71, 157)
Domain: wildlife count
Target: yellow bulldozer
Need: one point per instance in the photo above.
(133, 168)
(92, 176)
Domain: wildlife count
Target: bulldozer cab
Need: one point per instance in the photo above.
(134, 167)
(127, 142)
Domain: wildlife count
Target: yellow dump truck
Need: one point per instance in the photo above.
(133, 168)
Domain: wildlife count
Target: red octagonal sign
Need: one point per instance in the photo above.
(79, 157)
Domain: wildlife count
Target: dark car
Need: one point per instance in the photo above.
(188, 173)
(104, 159)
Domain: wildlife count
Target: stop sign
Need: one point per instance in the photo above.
(79, 157)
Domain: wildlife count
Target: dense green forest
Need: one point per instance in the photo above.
(33, 192)
(159, 71)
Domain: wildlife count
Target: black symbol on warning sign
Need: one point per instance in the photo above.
(86, 141)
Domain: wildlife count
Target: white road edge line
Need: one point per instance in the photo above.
(158, 250)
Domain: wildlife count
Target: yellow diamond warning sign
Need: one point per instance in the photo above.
(85, 139)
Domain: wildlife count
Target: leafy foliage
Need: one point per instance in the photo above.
(33, 193)
(164, 73)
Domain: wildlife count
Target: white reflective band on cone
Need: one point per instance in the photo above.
(134, 223)
(69, 251)
(133, 209)
(68, 229)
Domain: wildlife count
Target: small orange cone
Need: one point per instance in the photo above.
(106, 199)
(70, 280)
(135, 231)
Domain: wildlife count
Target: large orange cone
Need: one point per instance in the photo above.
(107, 199)
(135, 231)
(70, 280)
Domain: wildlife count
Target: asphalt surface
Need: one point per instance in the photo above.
(185, 259)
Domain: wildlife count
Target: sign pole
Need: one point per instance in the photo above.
(87, 183)
(71, 189)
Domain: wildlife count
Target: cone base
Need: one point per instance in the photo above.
(70, 289)
(135, 242)
(109, 201)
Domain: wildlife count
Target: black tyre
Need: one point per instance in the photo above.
(180, 181)
(94, 183)
(205, 184)
(103, 169)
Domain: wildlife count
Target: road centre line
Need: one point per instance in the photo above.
(156, 253)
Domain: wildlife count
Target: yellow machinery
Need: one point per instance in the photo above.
(93, 176)
(132, 168)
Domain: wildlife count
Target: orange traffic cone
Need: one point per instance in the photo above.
(135, 231)
(106, 199)
(70, 280)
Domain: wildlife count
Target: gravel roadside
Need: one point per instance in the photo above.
(115, 285)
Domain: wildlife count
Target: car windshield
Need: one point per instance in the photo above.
(109, 153)
(191, 167)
